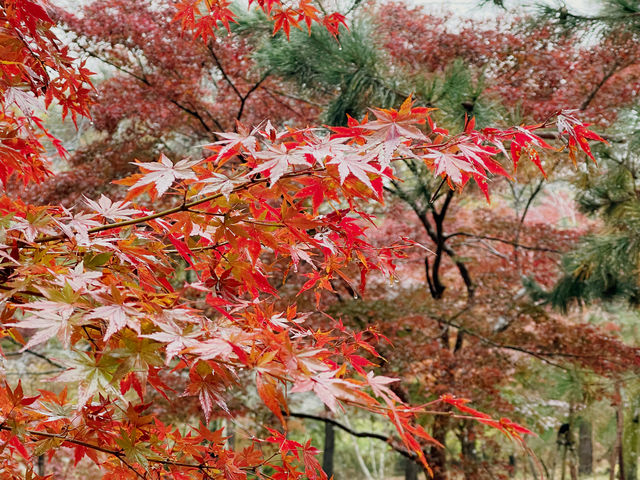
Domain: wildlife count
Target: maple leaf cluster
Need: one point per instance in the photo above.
(35, 71)
(204, 18)
(260, 191)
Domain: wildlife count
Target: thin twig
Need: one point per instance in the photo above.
(502, 240)
(378, 436)
(116, 453)
(32, 352)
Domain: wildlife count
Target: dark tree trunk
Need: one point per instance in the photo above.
(329, 449)
(619, 441)
(411, 470)
(585, 448)
(41, 465)
(616, 451)
(630, 447)
(438, 457)
(565, 444)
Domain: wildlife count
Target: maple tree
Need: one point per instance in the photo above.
(35, 69)
(264, 201)
(163, 92)
(197, 90)
(508, 68)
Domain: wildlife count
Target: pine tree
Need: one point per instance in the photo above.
(604, 265)
(612, 17)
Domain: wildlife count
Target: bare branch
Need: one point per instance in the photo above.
(505, 241)
(350, 431)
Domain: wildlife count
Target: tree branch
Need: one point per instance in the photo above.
(251, 90)
(197, 116)
(32, 352)
(223, 72)
(539, 355)
(180, 208)
(142, 79)
(116, 453)
(502, 240)
(350, 431)
(600, 84)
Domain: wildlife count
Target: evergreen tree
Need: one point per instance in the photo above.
(612, 17)
(605, 263)
(347, 76)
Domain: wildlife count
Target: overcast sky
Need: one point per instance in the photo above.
(469, 8)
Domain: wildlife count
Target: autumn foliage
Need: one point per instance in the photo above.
(532, 68)
(35, 69)
(264, 206)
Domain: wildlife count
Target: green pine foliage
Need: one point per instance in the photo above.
(348, 71)
(348, 74)
(605, 264)
(612, 16)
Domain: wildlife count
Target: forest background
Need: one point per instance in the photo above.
(524, 301)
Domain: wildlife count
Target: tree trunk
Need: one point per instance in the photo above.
(438, 456)
(632, 442)
(468, 451)
(630, 445)
(565, 444)
(563, 463)
(411, 470)
(41, 465)
(329, 449)
(573, 467)
(619, 439)
(512, 467)
(616, 453)
(585, 448)
(554, 459)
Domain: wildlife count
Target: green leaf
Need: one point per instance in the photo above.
(136, 452)
(94, 261)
